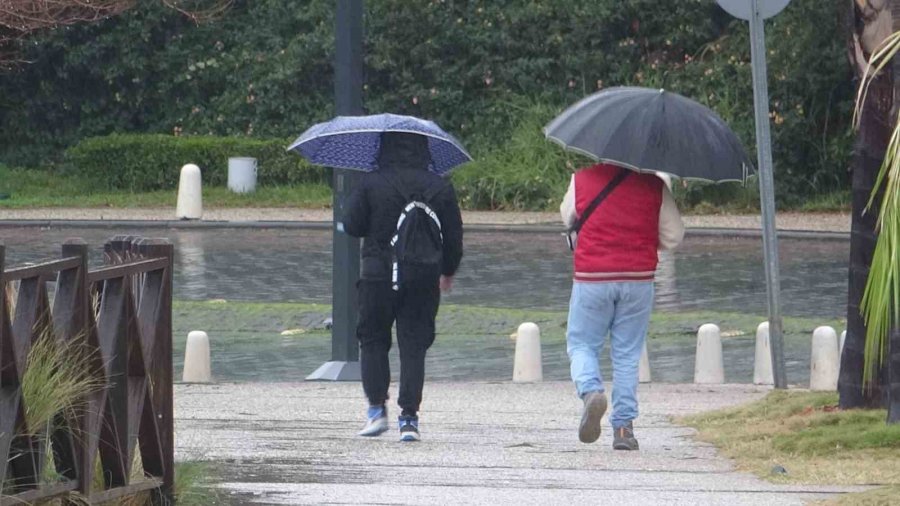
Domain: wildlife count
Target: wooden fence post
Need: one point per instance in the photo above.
(161, 364)
(71, 306)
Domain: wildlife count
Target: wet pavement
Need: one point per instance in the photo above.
(483, 443)
(510, 270)
(274, 358)
(487, 441)
(518, 270)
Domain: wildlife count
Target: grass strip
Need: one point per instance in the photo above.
(806, 434)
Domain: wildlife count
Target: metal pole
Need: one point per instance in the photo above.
(348, 84)
(767, 191)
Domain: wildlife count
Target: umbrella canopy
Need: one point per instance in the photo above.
(652, 130)
(353, 142)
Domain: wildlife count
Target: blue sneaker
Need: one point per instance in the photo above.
(376, 422)
(409, 428)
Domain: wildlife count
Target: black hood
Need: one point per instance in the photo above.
(403, 151)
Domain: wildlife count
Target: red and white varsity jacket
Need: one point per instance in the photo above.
(620, 240)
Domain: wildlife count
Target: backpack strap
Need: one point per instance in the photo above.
(598, 199)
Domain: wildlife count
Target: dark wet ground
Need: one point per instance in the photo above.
(482, 359)
(519, 270)
(508, 270)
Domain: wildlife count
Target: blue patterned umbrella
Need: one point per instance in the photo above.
(353, 142)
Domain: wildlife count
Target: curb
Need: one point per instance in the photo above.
(326, 225)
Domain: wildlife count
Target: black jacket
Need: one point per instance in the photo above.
(375, 204)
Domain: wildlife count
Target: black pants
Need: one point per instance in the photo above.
(414, 308)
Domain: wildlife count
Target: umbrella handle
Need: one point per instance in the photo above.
(569, 240)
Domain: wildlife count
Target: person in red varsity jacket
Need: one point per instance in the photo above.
(612, 293)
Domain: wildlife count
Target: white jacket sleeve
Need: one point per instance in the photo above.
(671, 228)
(567, 208)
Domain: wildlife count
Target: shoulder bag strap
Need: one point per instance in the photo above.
(598, 199)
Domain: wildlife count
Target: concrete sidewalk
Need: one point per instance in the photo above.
(819, 222)
(483, 443)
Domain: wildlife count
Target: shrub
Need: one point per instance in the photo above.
(265, 69)
(527, 172)
(152, 162)
(530, 173)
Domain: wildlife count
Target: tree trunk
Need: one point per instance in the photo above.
(872, 21)
(893, 389)
(869, 18)
(866, 162)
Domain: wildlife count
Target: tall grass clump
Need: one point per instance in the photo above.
(59, 375)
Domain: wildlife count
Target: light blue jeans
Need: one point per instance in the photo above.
(622, 310)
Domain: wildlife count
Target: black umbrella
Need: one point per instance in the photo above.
(652, 130)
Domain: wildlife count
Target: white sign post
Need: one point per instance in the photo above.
(756, 11)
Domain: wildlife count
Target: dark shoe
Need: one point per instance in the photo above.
(594, 408)
(409, 428)
(376, 422)
(623, 438)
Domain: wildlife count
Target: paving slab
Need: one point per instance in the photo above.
(483, 443)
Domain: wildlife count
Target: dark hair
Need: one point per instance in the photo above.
(401, 150)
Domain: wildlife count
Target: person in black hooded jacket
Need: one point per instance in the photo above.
(372, 213)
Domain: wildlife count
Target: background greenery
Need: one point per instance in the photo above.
(490, 72)
(151, 162)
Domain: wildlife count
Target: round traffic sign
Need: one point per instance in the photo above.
(743, 9)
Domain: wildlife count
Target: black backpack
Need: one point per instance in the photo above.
(418, 243)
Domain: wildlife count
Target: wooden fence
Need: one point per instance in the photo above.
(121, 314)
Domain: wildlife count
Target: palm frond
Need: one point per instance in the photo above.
(879, 59)
(880, 305)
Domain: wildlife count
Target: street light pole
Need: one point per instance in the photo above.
(348, 84)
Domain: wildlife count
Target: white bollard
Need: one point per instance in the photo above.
(196, 358)
(762, 365)
(824, 362)
(708, 367)
(527, 367)
(190, 194)
(841, 345)
(242, 174)
(644, 367)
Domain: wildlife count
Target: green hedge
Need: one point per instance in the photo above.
(152, 162)
(528, 172)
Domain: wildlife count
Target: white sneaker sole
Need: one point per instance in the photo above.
(410, 437)
(591, 419)
(374, 429)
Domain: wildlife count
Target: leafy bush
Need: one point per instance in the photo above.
(525, 172)
(153, 162)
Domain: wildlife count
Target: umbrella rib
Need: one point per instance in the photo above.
(298, 142)
(641, 136)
